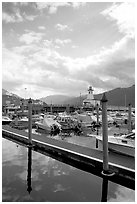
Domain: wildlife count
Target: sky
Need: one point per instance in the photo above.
(63, 47)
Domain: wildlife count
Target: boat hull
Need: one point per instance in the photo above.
(43, 127)
(4, 122)
(119, 148)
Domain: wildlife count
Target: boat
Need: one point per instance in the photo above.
(6, 120)
(36, 117)
(66, 121)
(19, 123)
(47, 124)
(85, 120)
(124, 144)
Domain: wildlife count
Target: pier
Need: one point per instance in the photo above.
(90, 160)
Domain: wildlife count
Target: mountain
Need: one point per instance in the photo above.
(55, 99)
(11, 98)
(116, 97)
(5, 92)
(120, 96)
(75, 100)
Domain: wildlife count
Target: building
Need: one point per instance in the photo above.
(90, 102)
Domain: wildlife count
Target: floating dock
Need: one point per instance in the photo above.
(90, 160)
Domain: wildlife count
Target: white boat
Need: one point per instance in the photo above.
(47, 124)
(36, 117)
(6, 120)
(20, 122)
(66, 121)
(85, 120)
(124, 144)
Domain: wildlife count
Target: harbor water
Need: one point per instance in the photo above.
(28, 176)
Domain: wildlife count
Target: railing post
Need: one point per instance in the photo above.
(30, 120)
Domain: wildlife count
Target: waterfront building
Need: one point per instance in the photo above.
(90, 101)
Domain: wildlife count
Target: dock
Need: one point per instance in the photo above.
(84, 158)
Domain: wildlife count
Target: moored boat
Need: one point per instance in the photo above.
(124, 144)
(47, 124)
(6, 120)
(66, 121)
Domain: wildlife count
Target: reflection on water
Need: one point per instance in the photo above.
(29, 188)
(104, 190)
(30, 176)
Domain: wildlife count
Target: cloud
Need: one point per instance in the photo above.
(17, 18)
(41, 27)
(110, 68)
(12, 12)
(62, 42)
(124, 15)
(123, 194)
(12, 18)
(62, 27)
(29, 17)
(42, 66)
(53, 6)
(18, 72)
(76, 5)
(31, 37)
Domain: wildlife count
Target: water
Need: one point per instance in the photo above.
(49, 180)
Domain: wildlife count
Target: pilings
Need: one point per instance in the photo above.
(29, 187)
(104, 190)
(105, 132)
(16, 121)
(22, 106)
(106, 170)
(51, 110)
(97, 108)
(129, 118)
(30, 121)
(68, 108)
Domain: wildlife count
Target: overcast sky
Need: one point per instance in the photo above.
(62, 48)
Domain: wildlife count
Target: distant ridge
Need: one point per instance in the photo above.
(120, 96)
(10, 97)
(55, 99)
(5, 92)
(116, 97)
